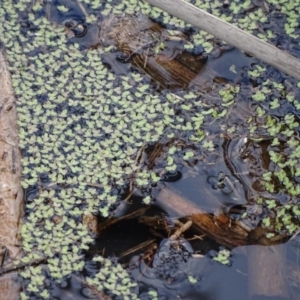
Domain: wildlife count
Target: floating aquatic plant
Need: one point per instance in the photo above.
(84, 131)
(222, 256)
(80, 138)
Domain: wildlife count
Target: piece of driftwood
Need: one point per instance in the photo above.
(11, 193)
(219, 228)
(231, 35)
(266, 272)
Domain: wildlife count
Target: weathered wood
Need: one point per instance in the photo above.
(231, 35)
(218, 228)
(11, 193)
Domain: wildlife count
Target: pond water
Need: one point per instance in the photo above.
(158, 162)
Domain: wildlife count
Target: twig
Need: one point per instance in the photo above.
(82, 8)
(97, 185)
(181, 230)
(137, 248)
(21, 266)
(3, 257)
(132, 215)
(146, 57)
(138, 156)
(137, 164)
(129, 196)
(48, 9)
(197, 237)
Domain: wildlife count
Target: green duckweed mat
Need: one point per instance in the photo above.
(85, 127)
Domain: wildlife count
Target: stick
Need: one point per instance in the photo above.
(231, 35)
(181, 230)
(112, 220)
(137, 248)
(10, 187)
(22, 266)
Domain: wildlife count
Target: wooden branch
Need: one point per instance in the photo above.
(11, 199)
(231, 35)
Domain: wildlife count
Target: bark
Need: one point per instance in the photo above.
(11, 193)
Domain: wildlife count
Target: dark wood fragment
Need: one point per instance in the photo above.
(219, 228)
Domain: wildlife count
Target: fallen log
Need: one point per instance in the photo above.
(11, 193)
(231, 35)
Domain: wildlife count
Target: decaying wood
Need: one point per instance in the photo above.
(266, 267)
(232, 35)
(11, 193)
(135, 36)
(220, 228)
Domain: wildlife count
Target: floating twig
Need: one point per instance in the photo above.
(137, 248)
(181, 230)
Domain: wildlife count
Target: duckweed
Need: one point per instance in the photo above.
(84, 129)
(222, 257)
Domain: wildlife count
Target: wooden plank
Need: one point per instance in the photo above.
(231, 35)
